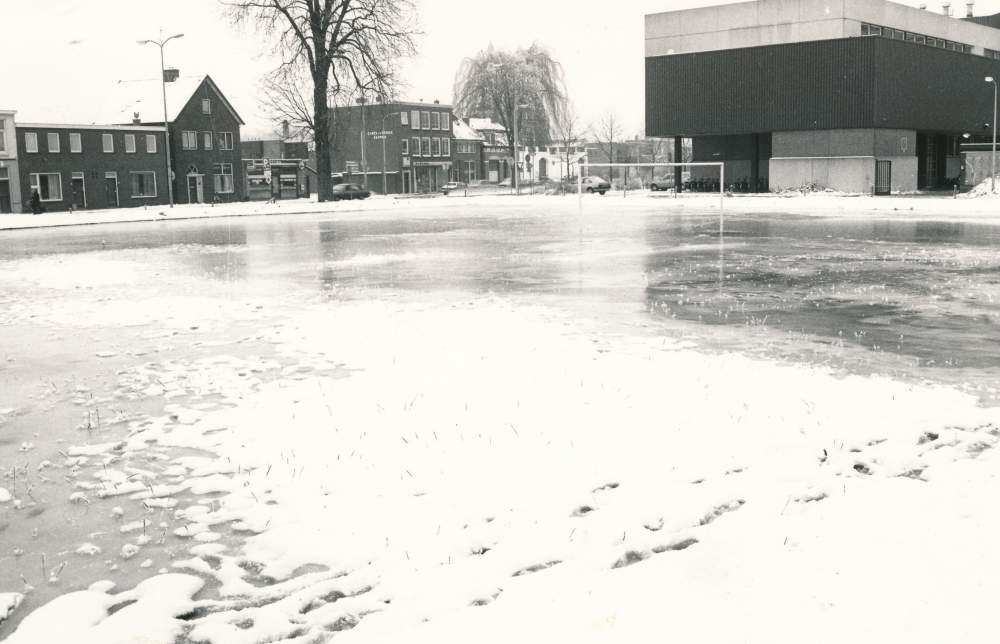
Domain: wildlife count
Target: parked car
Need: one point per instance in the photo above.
(452, 185)
(349, 191)
(505, 183)
(667, 182)
(594, 184)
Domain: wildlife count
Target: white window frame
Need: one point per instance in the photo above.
(151, 143)
(134, 175)
(403, 120)
(108, 143)
(31, 142)
(445, 120)
(436, 146)
(225, 140)
(53, 141)
(206, 106)
(415, 152)
(189, 140)
(425, 120)
(404, 145)
(435, 120)
(415, 119)
(3, 135)
(218, 178)
(36, 184)
(445, 147)
(75, 143)
(206, 139)
(425, 151)
(129, 144)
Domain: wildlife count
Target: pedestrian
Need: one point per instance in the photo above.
(36, 203)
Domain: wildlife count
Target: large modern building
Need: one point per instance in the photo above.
(854, 95)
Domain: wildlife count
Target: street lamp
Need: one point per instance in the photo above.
(166, 123)
(993, 170)
(517, 178)
(384, 135)
(364, 164)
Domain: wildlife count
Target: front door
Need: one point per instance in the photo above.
(4, 196)
(79, 198)
(111, 190)
(196, 189)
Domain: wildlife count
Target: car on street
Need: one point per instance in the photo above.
(452, 185)
(349, 191)
(505, 183)
(594, 184)
(667, 182)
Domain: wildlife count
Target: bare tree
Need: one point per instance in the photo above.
(328, 49)
(568, 129)
(494, 83)
(608, 132)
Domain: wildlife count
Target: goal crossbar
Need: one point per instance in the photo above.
(722, 178)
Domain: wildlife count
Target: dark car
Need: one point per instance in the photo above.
(594, 184)
(349, 191)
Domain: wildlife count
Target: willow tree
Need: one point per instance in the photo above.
(328, 49)
(494, 83)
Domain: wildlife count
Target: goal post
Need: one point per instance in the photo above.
(582, 167)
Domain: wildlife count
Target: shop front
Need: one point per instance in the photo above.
(429, 176)
(269, 179)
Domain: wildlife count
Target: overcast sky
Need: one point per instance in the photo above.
(64, 55)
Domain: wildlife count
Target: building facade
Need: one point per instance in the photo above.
(77, 167)
(393, 148)
(277, 169)
(10, 185)
(467, 151)
(859, 95)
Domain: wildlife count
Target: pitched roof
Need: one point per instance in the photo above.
(145, 97)
(464, 132)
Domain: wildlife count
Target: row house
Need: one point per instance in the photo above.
(121, 161)
(393, 148)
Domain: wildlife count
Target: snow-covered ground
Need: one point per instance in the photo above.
(452, 468)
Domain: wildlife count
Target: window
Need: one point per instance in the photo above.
(75, 144)
(151, 143)
(425, 146)
(402, 118)
(207, 140)
(30, 142)
(404, 145)
(108, 142)
(130, 143)
(911, 37)
(49, 186)
(416, 146)
(425, 120)
(435, 147)
(445, 119)
(435, 121)
(3, 135)
(446, 147)
(222, 173)
(920, 40)
(415, 120)
(206, 106)
(991, 53)
(225, 140)
(53, 141)
(143, 184)
(189, 140)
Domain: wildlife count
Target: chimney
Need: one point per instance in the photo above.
(923, 7)
(284, 129)
(968, 8)
(135, 119)
(945, 8)
(170, 75)
(437, 102)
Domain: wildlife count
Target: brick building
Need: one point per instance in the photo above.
(10, 185)
(393, 148)
(278, 169)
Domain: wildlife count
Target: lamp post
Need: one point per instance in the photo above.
(993, 167)
(364, 164)
(166, 123)
(384, 136)
(517, 178)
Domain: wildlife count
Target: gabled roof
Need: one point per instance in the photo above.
(146, 98)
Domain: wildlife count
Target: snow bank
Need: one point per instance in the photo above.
(495, 473)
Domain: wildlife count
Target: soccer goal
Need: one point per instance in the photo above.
(701, 183)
